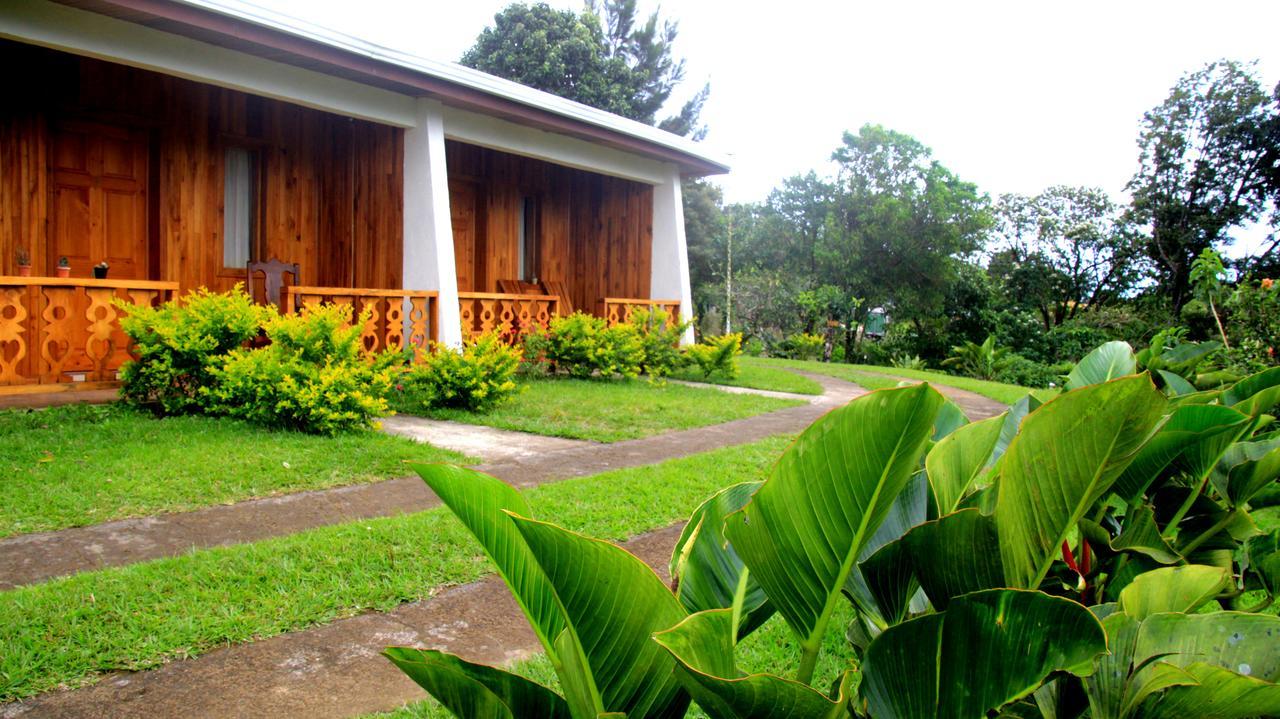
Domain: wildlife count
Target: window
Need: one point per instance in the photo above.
(527, 239)
(239, 207)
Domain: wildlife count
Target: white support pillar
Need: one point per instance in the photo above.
(669, 278)
(428, 227)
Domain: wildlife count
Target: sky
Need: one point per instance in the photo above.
(1014, 96)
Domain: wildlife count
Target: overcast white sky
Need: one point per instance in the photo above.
(1014, 96)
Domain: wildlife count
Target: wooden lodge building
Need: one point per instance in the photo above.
(184, 142)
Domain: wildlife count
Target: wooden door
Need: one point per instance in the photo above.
(98, 199)
(462, 208)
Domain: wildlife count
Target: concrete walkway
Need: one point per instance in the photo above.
(334, 670)
(30, 558)
(474, 440)
(975, 406)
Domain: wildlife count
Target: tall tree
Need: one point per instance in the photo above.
(604, 57)
(1062, 250)
(1206, 156)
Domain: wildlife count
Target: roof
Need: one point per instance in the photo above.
(248, 28)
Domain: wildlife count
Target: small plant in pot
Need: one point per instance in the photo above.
(100, 270)
(64, 267)
(24, 262)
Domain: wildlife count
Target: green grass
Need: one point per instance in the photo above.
(611, 410)
(78, 465)
(873, 377)
(68, 630)
(757, 373)
(770, 649)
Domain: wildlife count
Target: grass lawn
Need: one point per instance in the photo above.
(68, 630)
(772, 648)
(81, 464)
(873, 377)
(757, 373)
(610, 410)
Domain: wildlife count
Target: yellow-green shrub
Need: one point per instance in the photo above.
(478, 377)
(313, 377)
(717, 355)
(178, 343)
(659, 336)
(582, 345)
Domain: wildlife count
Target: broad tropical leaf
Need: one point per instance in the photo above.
(1187, 427)
(1246, 468)
(1105, 363)
(1117, 687)
(826, 497)
(956, 461)
(1175, 385)
(1172, 589)
(707, 569)
(702, 645)
(1217, 694)
(1243, 643)
(1066, 456)
(480, 501)
(476, 691)
(613, 604)
(1013, 419)
(1263, 560)
(1254, 394)
(986, 650)
(1140, 534)
(950, 556)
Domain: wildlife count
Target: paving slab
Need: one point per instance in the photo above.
(334, 670)
(487, 443)
(31, 558)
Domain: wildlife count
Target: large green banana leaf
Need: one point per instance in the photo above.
(1254, 394)
(986, 650)
(707, 569)
(476, 691)
(1244, 643)
(1246, 468)
(805, 527)
(1187, 427)
(1140, 534)
(1263, 560)
(613, 604)
(955, 462)
(1117, 687)
(480, 502)
(909, 509)
(1216, 694)
(953, 555)
(702, 645)
(1172, 589)
(1066, 456)
(1105, 363)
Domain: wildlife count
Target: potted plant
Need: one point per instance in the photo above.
(24, 262)
(100, 270)
(64, 267)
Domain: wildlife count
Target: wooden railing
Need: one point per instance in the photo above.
(396, 316)
(65, 333)
(481, 312)
(616, 310)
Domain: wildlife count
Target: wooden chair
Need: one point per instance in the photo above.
(273, 272)
(559, 289)
(519, 287)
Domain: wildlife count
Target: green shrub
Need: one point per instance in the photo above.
(313, 377)
(476, 378)
(753, 347)
(659, 336)
(178, 344)
(1029, 373)
(1254, 325)
(582, 345)
(803, 346)
(905, 361)
(717, 355)
(980, 361)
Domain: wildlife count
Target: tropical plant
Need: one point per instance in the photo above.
(980, 361)
(659, 335)
(1207, 275)
(1095, 551)
(717, 355)
(906, 361)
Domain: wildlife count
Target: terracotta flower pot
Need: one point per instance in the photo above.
(24, 270)
(64, 271)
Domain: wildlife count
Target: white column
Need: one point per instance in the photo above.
(428, 227)
(670, 263)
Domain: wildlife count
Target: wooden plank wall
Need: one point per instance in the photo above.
(595, 232)
(332, 186)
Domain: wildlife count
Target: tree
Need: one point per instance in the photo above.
(1063, 250)
(906, 222)
(1207, 159)
(602, 57)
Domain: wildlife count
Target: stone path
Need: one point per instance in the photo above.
(333, 670)
(37, 557)
(473, 440)
(975, 406)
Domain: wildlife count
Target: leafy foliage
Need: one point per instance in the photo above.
(477, 377)
(980, 361)
(314, 376)
(178, 345)
(659, 335)
(583, 345)
(717, 355)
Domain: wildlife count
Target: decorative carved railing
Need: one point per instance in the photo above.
(65, 331)
(397, 316)
(481, 312)
(616, 310)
